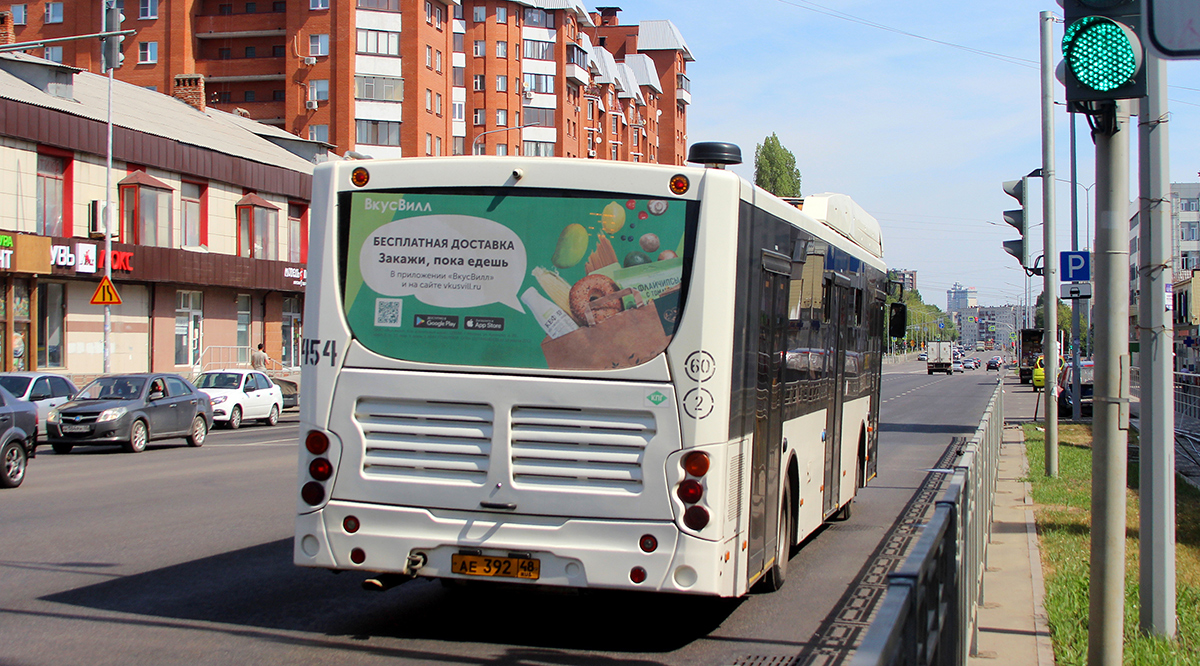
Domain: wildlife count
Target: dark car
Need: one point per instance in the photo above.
(131, 410)
(18, 437)
(994, 363)
(1087, 373)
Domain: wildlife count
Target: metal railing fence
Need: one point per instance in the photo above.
(931, 611)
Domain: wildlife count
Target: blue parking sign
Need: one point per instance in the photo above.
(1075, 266)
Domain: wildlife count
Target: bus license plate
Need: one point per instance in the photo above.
(501, 567)
(76, 428)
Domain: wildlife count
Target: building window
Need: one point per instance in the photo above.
(379, 42)
(428, 99)
(52, 311)
(278, 51)
(501, 149)
(539, 117)
(616, 124)
(279, 6)
(295, 240)
(538, 18)
(321, 4)
(541, 83)
(460, 145)
(480, 116)
(258, 228)
(54, 12)
(428, 144)
(53, 54)
(384, 5)
(377, 132)
(189, 320)
(501, 83)
(429, 12)
(147, 52)
(318, 89)
(224, 54)
(146, 209)
(614, 151)
(318, 133)
(479, 13)
(576, 56)
(318, 45)
(437, 146)
(501, 49)
(501, 117)
(18, 14)
(429, 56)
(1189, 205)
(437, 62)
(437, 103)
(244, 316)
(480, 48)
(50, 190)
(459, 42)
(191, 210)
(379, 88)
(278, 95)
(251, 52)
(501, 15)
(538, 149)
(225, 10)
(537, 50)
(477, 82)
(224, 97)
(459, 76)
(251, 8)
(147, 9)
(457, 110)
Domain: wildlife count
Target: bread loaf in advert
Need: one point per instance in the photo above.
(626, 339)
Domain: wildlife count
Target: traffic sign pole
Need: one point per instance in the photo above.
(1050, 273)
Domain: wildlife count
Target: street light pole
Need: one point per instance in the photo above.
(502, 129)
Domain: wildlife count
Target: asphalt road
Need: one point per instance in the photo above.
(183, 556)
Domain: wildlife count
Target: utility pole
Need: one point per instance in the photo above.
(1110, 420)
(1157, 455)
(1076, 411)
(1050, 256)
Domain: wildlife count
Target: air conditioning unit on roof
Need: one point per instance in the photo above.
(311, 105)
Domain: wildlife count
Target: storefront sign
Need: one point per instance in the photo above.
(30, 254)
(298, 276)
(121, 261)
(85, 258)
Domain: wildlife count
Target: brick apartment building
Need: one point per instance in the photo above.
(393, 78)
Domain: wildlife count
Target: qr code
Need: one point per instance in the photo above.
(387, 311)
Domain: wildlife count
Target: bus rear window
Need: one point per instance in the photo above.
(506, 280)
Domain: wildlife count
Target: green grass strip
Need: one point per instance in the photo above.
(1063, 510)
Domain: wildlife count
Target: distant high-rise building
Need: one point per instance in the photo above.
(403, 78)
(907, 278)
(959, 297)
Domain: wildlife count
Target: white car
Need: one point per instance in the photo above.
(45, 390)
(238, 395)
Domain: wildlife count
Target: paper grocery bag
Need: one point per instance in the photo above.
(626, 339)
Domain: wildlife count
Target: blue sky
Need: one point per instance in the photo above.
(919, 133)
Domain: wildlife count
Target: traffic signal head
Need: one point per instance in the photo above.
(1102, 51)
(1019, 248)
(110, 49)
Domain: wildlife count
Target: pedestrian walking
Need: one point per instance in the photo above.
(258, 358)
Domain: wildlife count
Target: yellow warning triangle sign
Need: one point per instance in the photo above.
(106, 293)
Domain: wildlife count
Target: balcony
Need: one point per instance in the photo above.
(576, 74)
(241, 69)
(226, 26)
(683, 89)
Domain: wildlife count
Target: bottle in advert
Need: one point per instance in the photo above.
(552, 318)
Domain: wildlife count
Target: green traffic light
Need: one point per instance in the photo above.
(1103, 55)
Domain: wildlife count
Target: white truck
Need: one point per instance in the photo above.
(940, 358)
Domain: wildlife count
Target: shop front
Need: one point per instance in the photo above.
(181, 311)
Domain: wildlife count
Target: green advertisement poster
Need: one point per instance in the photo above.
(514, 281)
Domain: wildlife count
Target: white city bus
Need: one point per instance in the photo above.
(580, 373)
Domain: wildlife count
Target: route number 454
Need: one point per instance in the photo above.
(311, 351)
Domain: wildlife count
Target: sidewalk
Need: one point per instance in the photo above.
(1013, 629)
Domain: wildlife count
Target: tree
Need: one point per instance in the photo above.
(775, 168)
(1064, 314)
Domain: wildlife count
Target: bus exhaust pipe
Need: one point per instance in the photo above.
(385, 582)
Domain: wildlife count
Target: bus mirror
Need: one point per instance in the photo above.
(897, 320)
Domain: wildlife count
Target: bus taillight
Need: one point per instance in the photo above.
(313, 493)
(316, 442)
(696, 518)
(648, 543)
(637, 575)
(350, 524)
(690, 491)
(696, 463)
(320, 469)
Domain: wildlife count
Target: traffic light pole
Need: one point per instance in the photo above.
(1157, 417)
(1110, 420)
(1050, 261)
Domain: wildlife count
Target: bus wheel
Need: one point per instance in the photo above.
(783, 544)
